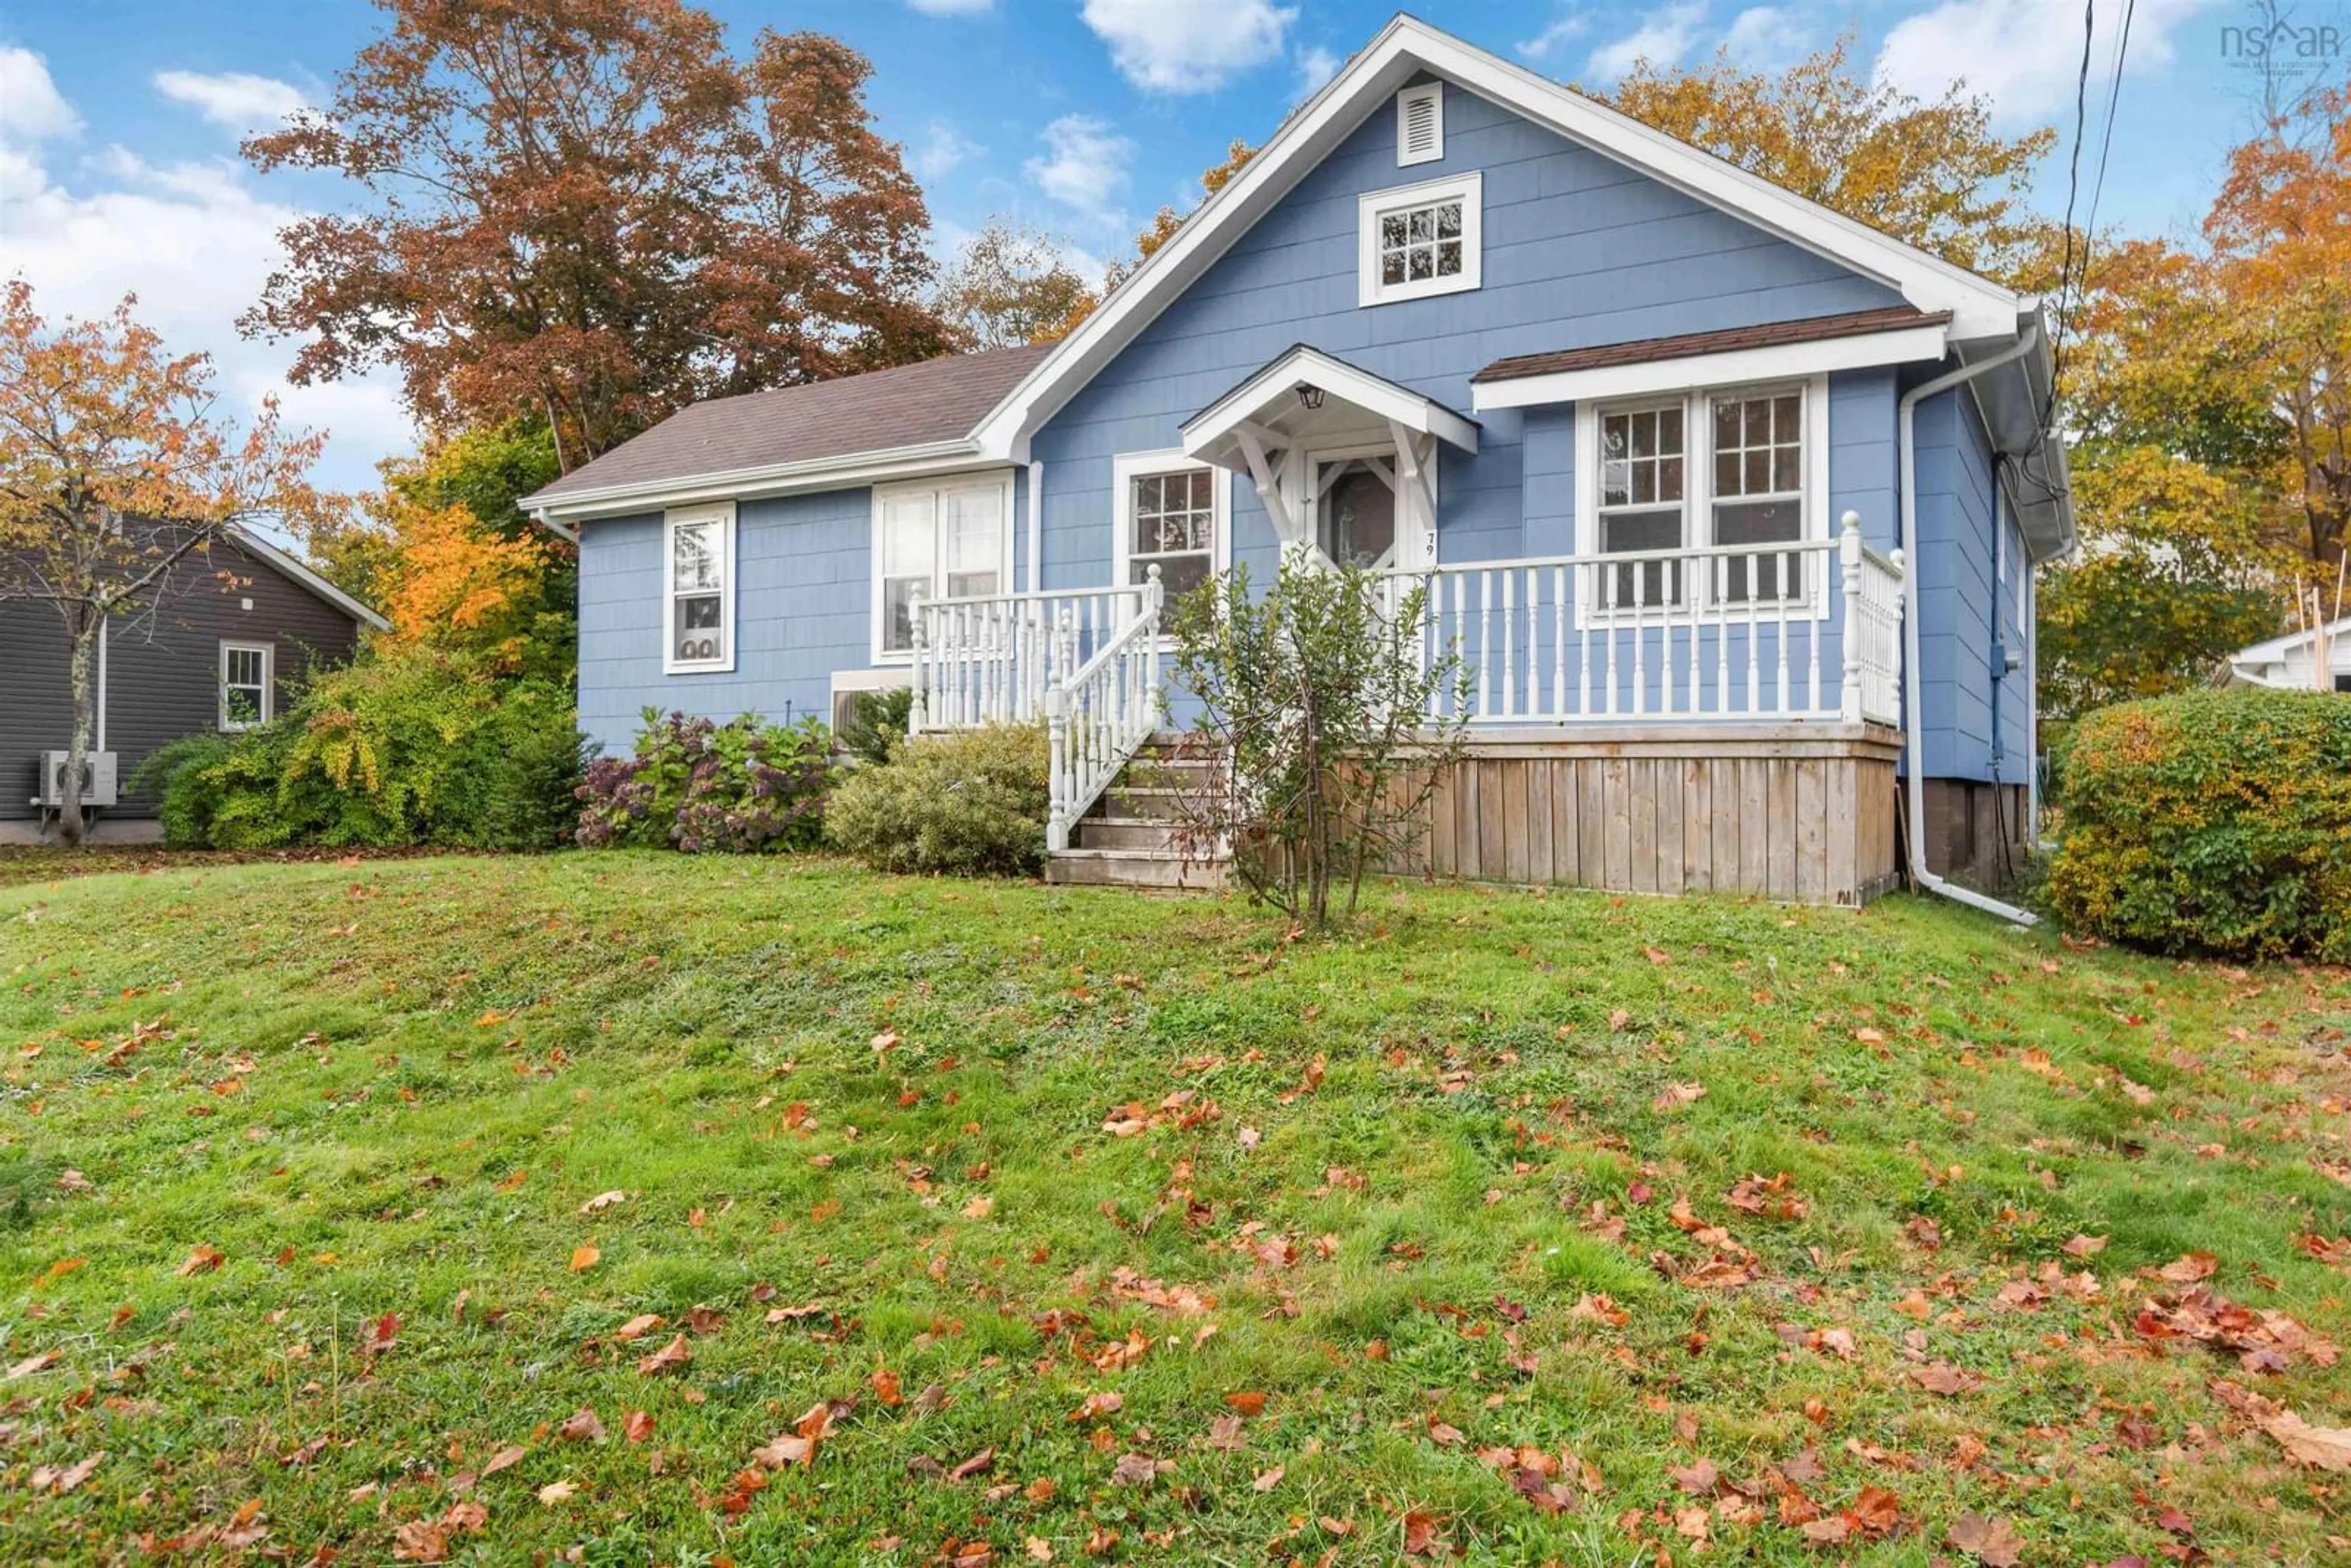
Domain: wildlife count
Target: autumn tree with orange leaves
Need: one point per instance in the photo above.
(589, 212)
(118, 479)
(2209, 391)
(1930, 173)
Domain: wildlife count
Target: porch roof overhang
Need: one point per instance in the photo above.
(1264, 411)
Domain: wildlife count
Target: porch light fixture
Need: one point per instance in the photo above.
(1309, 397)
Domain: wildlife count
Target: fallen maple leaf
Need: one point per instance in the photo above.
(639, 1326)
(2188, 1267)
(1674, 1094)
(604, 1201)
(419, 1540)
(677, 1352)
(1991, 1541)
(202, 1261)
(1267, 1480)
(2320, 1447)
(503, 1460)
(1942, 1377)
(1134, 1470)
(638, 1427)
(554, 1492)
(583, 1256)
(582, 1428)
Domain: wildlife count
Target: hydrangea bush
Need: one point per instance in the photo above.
(708, 788)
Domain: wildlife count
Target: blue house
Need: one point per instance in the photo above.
(1731, 502)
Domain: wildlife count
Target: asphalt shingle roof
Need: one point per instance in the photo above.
(909, 405)
(1769, 335)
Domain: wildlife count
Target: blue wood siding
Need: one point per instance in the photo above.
(802, 610)
(1579, 250)
(1962, 607)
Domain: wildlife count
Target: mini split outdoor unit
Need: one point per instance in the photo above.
(96, 778)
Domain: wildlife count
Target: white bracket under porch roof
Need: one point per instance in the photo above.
(1264, 426)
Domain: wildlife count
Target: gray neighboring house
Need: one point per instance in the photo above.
(216, 654)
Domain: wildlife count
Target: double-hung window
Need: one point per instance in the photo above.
(1759, 487)
(1419, 240)
(947, 539)
(1643, 476)
(698, 603)
(246, 672)
(1735, 467)
(1171, 515)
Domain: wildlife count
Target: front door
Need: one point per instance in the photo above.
(1359, 514)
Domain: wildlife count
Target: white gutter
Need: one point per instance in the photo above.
(1913, 730)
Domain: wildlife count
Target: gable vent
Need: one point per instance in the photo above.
(1420, 124)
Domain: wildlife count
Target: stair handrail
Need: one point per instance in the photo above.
(1098, 718)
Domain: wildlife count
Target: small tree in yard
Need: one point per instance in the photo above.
(116, 481)
(1320, 752)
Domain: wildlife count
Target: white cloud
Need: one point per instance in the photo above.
(1569, 26)
(31, 108)
(1189, 46)
(234, 100)
(953, 8)
(942, 150)
(1085, 165)
(1663, 38)
(1765, 38)
(194, 241)
(2025, 53)
(1315, 67)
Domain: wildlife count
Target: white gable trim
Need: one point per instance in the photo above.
(1399, 405)
(1979, 308)
(2278, 647)
(1779, 362)
(304, 576)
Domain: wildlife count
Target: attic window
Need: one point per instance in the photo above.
(1419, 239)
(1420, 124)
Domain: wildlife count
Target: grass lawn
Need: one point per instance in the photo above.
(629, 1209)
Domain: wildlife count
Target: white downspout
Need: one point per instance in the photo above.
(1914, 732)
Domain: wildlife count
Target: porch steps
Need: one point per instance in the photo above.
(1127, 839)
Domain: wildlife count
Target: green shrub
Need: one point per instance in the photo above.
(877, 722)
(972, 803)
(2211, 822)
(701, 786)
(411, 748)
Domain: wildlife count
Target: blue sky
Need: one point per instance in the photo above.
(118, 119)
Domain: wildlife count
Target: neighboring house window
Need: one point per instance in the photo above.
(936, 540)
(2343, 682)
(245, 696)
(698, 610)
(1420, 124)
(1758, 478)
(1419, 240)
(1171, 514)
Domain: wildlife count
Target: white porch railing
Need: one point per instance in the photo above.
(1097, 718)
(989, 659)
(1725, 631)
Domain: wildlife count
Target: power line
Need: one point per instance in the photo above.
(2073, 192)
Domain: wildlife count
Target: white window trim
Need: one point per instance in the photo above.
(1128, 466)
(1698, 487)
(1433, 94)
(942, 486)
(269, 652)
(723, 512)
(1470, 189)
